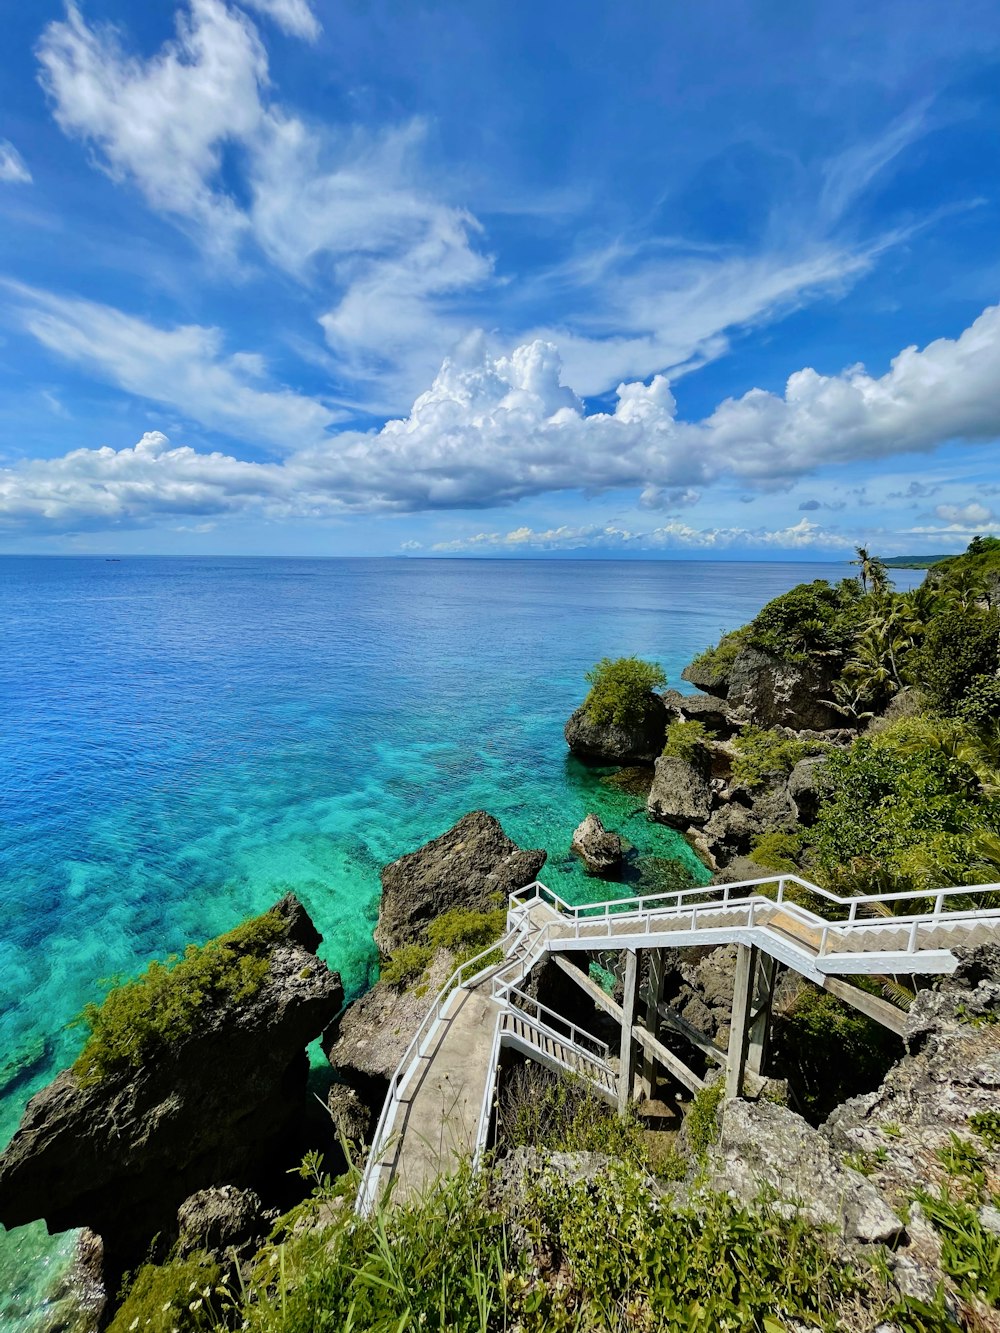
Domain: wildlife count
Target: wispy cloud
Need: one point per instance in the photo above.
(670, 536)
(13, 168)
(294, 16)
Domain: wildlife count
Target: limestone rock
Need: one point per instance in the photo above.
(709, 709)
(367, 1041)
(120, 1155)
(681, 793)
(775, 693)
(731, 829)
(608, 743)
(804, 788)
(600, 851)
(218, 1219)
(352, 1119)
(764, 1146)
(712, 679)
(472, 865)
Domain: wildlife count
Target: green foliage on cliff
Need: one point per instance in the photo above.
(765, 755)
(181, 1297)
(960, 652)
(830, 1051)
(718, 660)
(813, 618)
(144, 1017)
(464, 931)
(685, 740)
(620, 690)
(702, 1122)
(900, 805)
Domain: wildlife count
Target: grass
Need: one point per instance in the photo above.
(144, 1017)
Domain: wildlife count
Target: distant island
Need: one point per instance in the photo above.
(914, 561)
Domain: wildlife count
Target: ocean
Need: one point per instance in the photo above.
(184, 740)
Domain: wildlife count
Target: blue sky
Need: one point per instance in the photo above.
(306, 277)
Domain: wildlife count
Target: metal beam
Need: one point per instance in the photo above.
(653, 996)
(760, 1013)
(690, 1033)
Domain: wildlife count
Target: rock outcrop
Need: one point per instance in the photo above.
(708, 676)
(219, 1220)
(471, 865)
(599, 850)
(709, 709)
(681, 793)
(609, 743)
(771, 692)
(768, 1147)
(121, 1154)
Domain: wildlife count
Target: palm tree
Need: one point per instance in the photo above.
(872, 570)
(865, 561)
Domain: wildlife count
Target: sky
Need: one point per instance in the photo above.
(357, 277)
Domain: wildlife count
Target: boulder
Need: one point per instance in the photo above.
(600, 851)
(681, 793)
(121, 1154)
(709, 709)
(473, 865)
(742, 868)
(731, 829)
(710, 677)
(773, 693)
(219, 1220)
(804, 789)
(765, 1147)
(367, 1041)
(352, 1119)
(609, 743)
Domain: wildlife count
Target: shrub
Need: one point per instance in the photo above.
(560, 1113)
(685, 740)
(149, 1014)
(406, 964)
(979, 708)
(718, 660)
(762, 756)
(777, 851)
(970, 1254)
(620, 691)
(899, 804)
(829, 1051)
(813, 618)
(961, 645)
(701, 1123)
(466, 931)
(179, 1297)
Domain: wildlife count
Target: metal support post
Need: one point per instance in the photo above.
(651, 1019)
(760, 1012)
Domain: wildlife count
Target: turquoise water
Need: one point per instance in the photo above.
(184, 740)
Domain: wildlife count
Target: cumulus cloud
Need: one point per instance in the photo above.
(674, 535)
(966, 514)
(13, 169)
(185, 367)
(492, 430)
(294, 16)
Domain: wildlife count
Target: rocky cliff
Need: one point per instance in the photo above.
(120, 1153)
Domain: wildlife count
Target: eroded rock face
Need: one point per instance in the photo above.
(712, 679)
(218, 1220)
(769, 1146)
(804, 789)
(120, 1156)
(600, 851)
(606, 743)
(681, 793)
(773, 693)
(469, 866)
(952, 1072)
(709, 709)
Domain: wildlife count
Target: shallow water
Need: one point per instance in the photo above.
(184, 740)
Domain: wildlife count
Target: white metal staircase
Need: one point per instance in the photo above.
(894, 933)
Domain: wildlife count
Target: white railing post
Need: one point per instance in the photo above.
(781, 890)
(852, 915)
(912, 944)
(822, 940)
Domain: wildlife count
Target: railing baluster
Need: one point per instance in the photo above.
(912, 944)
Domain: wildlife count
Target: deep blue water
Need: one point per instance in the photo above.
(183, 740)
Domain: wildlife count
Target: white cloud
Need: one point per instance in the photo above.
(185, 367)
(294, 16)
(13, 169)
(359, 217)
(966, 514)
(493, 430)
(670, 536)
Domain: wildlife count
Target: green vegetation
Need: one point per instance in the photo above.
(970, 1254)
(144, 1017)
(701, 1122)
(686, 740)
(961, 652)
(778, 851)
(764, 755)
(812, 619)
(620, 690)
(464, 931)
(718, 660)
(184, 1296)
(829, 1051)
(406, 964)
(987, 1125)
